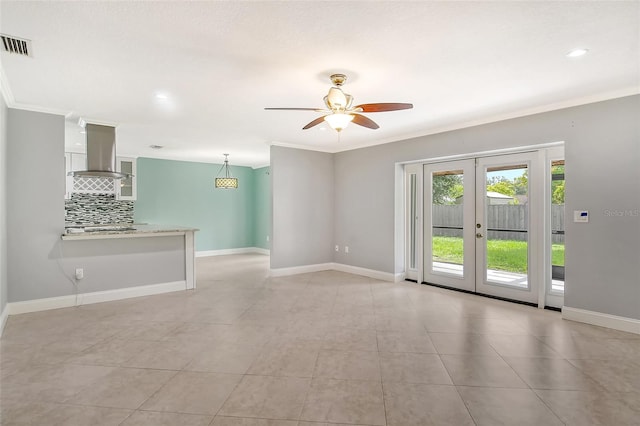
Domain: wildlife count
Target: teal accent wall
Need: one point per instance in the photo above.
(262, 208)
(182, 193)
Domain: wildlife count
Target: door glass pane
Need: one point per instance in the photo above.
(507, 225)
(447, 222)
(557, 227)
(412, 219)
(126, 185)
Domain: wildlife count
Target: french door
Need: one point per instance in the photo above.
(449, 218)
(482, 225)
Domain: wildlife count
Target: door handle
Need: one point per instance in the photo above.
(478, 235)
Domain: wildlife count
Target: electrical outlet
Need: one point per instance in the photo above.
(337, 247)
(346, 249)
(79, 273)
(267, 238)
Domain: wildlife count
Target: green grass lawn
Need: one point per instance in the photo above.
(502, 255)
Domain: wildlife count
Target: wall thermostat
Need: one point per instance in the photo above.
(581, 216)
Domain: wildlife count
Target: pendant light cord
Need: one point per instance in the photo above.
(225, 166)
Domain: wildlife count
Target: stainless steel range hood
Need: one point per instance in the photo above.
(101, 153)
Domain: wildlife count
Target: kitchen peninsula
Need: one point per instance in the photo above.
(117, 262)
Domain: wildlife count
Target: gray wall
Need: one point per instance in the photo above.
(40, 264)
(602, 153)
(120, 263)
(603, 176)
(35, 204)
(302, 201)
(3, 205)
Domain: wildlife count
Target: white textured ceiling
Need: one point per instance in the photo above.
(221, 63)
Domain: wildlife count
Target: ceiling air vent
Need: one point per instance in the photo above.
(16, 45)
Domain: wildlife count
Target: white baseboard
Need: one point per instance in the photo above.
(224, 252)
(294, 270)
(400, 276)
(630, 325)
(260, 250)
(3, 318)
(15, 308)
(331, 266)
(371, 273)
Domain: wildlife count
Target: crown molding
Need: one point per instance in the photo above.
(621, 93)
(10, 100)
(585, 100)
(261, 166)
(299, 146)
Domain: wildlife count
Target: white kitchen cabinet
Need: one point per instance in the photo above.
(123, 189)
(74, 161)
(126, 188)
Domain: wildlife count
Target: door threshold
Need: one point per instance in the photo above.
(505, 299)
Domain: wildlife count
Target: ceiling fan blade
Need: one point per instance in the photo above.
(314, 123)
(382, 107)
(293, 109)
(361, 120)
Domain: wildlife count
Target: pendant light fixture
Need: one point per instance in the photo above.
(227, 181)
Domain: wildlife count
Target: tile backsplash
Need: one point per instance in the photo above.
(97, 209)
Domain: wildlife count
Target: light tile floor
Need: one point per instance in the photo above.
(310, 350)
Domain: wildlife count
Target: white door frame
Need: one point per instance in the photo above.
(554, 300)
(400, 209)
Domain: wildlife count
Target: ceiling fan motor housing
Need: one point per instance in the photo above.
(338, 79)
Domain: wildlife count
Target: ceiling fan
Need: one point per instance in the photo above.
(340, 111)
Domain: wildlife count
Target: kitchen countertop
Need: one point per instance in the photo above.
(129, 231)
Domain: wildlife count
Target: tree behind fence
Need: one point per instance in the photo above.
(507, 219)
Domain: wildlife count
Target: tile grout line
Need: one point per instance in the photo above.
(176, 372)
(315, 366)
(457, 390)
(384, 399)
(531, 389)
(227, 398)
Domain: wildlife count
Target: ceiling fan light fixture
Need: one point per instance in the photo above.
(338, 120)
(340, 111)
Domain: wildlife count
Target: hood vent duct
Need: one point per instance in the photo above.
(101, 153)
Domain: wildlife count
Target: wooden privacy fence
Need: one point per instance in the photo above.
(504, 222)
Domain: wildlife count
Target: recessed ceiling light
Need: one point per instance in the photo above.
(156, 146)
(577, 52)
(162, 96)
